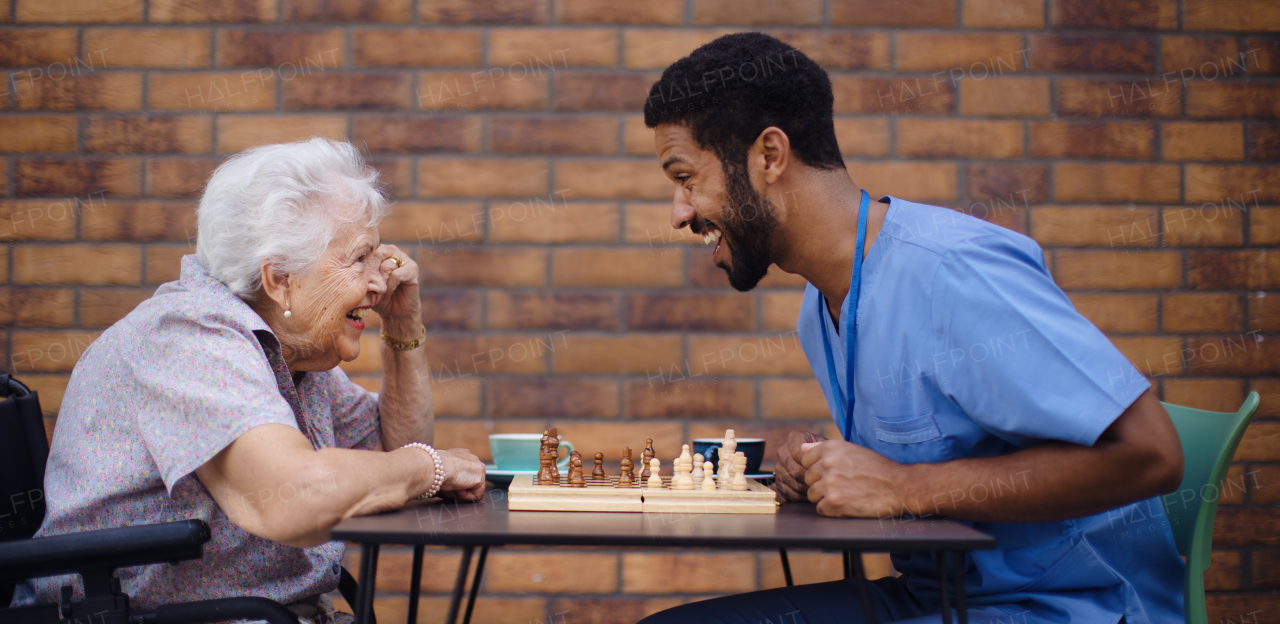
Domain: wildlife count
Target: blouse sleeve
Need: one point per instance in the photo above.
(356, 423)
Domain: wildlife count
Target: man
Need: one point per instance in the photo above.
(979, 393)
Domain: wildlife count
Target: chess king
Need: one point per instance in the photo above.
(964, 383)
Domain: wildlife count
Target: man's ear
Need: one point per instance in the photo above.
(275, 285)
(772, 153)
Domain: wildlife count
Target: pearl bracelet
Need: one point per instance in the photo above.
(439, 472)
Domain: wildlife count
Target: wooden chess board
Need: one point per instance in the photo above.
(605, 495)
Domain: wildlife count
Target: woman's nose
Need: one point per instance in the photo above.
(682, 212)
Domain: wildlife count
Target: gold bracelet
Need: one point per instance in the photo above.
(403, 345)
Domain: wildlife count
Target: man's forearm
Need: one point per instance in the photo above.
(405, 402)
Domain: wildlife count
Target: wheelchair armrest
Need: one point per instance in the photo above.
(106, 549)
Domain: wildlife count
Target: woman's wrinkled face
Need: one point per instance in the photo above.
(329, 302)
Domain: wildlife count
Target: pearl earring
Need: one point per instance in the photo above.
(288, 313)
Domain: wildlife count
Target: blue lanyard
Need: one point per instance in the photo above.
(845, 404)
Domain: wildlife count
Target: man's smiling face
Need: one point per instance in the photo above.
(722, 207)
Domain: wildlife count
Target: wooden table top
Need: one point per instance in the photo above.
(796, 525)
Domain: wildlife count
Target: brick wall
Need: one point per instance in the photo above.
(1134, 139)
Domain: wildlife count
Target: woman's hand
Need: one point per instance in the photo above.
(400, 308)
(463, 475)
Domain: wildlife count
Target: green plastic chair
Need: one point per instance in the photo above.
(1209, 441)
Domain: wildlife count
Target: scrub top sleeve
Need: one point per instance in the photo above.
(1014, 354)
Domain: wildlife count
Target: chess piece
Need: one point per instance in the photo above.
(685, 457)
(544, 469)
(598, 473)
(624, 479)
(646, 455)
(739, 472)
(575, 473)
(728, 446)
(683, 479)
(553, 450)
(708, 480)
(697, 468)
(655, 481)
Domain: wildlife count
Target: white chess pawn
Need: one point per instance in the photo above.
(739, 473)
(684, 454)
(655, 481)
(683, 480)
(708, 480)
(697, 468)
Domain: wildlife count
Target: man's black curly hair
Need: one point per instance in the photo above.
(728, 91)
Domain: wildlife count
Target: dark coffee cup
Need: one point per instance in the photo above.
(753, 448)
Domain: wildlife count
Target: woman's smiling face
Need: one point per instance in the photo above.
(329, 302)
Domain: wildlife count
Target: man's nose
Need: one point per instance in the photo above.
(682, 212)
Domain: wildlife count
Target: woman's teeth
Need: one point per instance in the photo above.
(357, 314)
(710, 236)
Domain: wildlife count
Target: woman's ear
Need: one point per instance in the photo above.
(275, 285)
(772, 150)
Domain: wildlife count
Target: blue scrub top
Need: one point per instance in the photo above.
(967, 348)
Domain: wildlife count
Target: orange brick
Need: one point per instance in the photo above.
(212, 11)
(554, 397)
(1215, 183)
(597, 609)
(1264, 143)
(979, 56)
(492, 177)
(780, 310)
(748, 354)
(1232, 355)
(928, 181)
(1188, 54)
(51, 389)
(1007, 188)
(1263, 54)
(38, 219)
(955, 138)
(398, 11)
(462, 91)
(680, 311)
(130, 220)
(656, 49)
(164, 262)
(840, 50)
(549, 49)
(237, 133)
(188, 134)
(1186, 313)
(101, 307)
(863, 137)
(79, 11)
(608, 438)
(1152, 355)
(395, 567)
(1264, 312)
(396, 173)
(1101, 226)
(1114, 182)
(792, 399)
(906, 13)
(619, 12)
(614, 179)
(1233, 270)
(1115, 14)
(650, 224)
(609, 354)
(83, 91)
(483, 11)
(694, 573)
(757, 12)
(1113, 54)
(1258, 444)
(668, 394)
(637, 140)
(1121, 140)
(1236, 16)
(1268, 389)
(1005, 97)
(426, 223)
(415, 134)
(483, 266)
(178, 177)
(44, 307)
(33, 47)
(167, 48)
(1003, 14)
(552, 572)
(214, 91)
(486, 354)
(290, 52)
(38, 133)
(456, 397)
(555, 310)
(334, 91)
(415, 48)
(1264, 226)
(47, 351)
(576, 91)
(553, 221)
(615, 267)
(77, 263)
(1110, 270)
(806, 568)
(1202, 141)
(46, 176)
(882, 96)
(1146, 97)
(554, 135)
(1202, 225)
(451, 309)
(1228, 100)
(1120, 313)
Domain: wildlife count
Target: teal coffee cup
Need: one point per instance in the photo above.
(519, 451)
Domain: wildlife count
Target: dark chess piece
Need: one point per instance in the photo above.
(646, 457)
(624, 479)
(553, 452)
(544, 470)
(598, 473)
(575, 472)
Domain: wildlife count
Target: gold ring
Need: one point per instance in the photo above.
(398, 261)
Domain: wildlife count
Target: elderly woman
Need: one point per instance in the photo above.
(220, 398)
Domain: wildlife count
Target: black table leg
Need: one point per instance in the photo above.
(786, 567)
(941, 557)
(864, 592)
(415, 584)
(364, 597)
(957, 561)
(848, 567)
(460, 584)
(475, 585)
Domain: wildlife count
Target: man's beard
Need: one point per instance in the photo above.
(748, 225)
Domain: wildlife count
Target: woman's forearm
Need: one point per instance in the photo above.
(405, 402)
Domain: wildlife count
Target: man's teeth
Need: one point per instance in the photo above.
(710, 236)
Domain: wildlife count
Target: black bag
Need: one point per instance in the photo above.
(23, 453)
